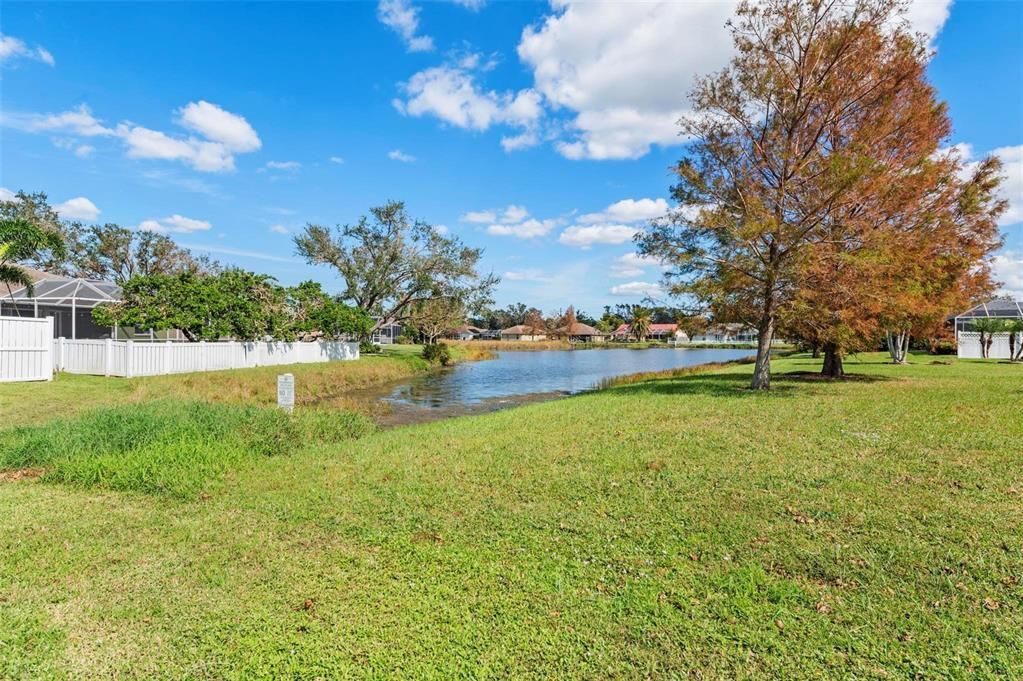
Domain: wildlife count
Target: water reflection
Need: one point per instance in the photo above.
(516, 377)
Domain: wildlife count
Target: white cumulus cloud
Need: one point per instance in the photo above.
(402, 18)
(621, 71)
(278, 229)
(176, 224)
(12, 48)
(628, 210)
(637, 289)
(223, 135)
(525, 229)
(218, 125)
(1011, 188)
(632, 265)
(586, 236)
(399, 155)
(451, 94)
(283, 165)
(79, 208)
(479, 216)
(1008, 269)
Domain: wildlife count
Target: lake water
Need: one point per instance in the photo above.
(518, 377)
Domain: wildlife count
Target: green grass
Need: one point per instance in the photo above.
(168, 447)
(675, 527)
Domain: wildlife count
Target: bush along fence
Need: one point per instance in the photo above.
(137, 358)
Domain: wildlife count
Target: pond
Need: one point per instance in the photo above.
(528, 376)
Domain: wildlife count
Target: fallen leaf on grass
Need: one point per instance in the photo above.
(991, 604)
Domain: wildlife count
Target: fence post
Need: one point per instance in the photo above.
(129, 358)
(166, 356)
(230, 352)
(49, 348)
(202, 355)
(60, 354)
(108, 356)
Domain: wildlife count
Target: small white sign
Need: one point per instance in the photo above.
(286, 392)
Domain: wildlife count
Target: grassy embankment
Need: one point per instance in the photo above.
(871, 528)
(68, 394)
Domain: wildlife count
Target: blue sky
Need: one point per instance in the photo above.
(540, 132)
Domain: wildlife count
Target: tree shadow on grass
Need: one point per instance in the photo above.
(714, 385)
(783, 384)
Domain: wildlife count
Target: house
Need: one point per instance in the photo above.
(665, 332)
(577, 332)
(466, 333)
(386, 333)
(69, 300)
(726, 333)
(522, 332)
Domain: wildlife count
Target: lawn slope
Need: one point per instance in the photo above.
(868, 529)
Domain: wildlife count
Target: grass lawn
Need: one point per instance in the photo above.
(668, 528)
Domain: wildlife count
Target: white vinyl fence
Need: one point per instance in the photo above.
(969, 345)
(26, 349)
(131, 358)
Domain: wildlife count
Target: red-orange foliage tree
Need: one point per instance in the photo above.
(804, 150)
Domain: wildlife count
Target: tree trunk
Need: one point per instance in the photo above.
(815, 351)
(1012, 346)
(762, 370)
(832, 361)
(898, 345)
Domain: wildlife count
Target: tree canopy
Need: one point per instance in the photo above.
(814, 172)
(391, 263)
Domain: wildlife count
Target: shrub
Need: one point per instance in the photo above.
(437, 353)
(367, 347)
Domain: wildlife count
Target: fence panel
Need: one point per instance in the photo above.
(26, 349)
(137, 358)
(969, 345)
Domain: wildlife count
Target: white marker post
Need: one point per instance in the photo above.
(286, 392)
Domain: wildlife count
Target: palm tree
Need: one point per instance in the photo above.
(20, 240)
(987, 328)
(1014, 327)
(640, 323)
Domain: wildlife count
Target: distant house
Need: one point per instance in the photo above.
(522, 332)
(727, 333)
(665, 332)
(387, 333)
(581, 333)
(466, 333)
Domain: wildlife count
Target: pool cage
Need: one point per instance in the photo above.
(68, 301)
(968, 340)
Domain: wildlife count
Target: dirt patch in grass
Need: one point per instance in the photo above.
(21, 474)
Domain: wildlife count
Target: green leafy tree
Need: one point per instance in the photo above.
(390, 263)
(117, 254)
(640, 323)
(235, 304)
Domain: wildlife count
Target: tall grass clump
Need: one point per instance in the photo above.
(167, 446)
